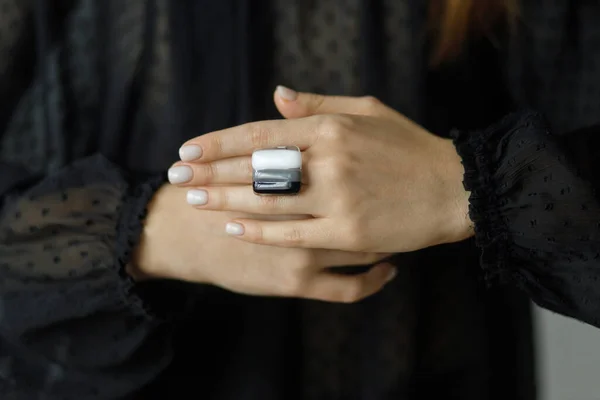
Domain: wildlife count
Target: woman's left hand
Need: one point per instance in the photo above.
(374, 180)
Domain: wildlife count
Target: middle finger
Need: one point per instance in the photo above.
(236, 170)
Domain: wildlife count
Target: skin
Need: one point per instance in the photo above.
(180, 242)
(375, 180)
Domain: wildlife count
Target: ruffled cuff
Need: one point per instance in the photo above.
(65, 242)
(130, 224)
(489, 157)
(160, 299)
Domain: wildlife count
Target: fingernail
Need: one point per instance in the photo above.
(190, 152)
(180, 174)
(234, 229)
(197, 197)
(286, 93)
(391, 275)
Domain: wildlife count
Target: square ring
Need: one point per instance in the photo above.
(277, 171)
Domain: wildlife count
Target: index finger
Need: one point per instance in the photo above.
(242, 140)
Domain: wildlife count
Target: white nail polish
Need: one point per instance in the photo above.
(190, 152)
(234, 229)
(180, 174)
(287, 93)
(197, 197)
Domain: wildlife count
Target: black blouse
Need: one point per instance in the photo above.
(98, 96)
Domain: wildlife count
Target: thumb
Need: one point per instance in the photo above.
(292, 104)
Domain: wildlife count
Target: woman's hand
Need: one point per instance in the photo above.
(179, 242)
(374, 180)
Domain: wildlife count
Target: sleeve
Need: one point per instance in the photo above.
(535, 207)
(71, 320)
(73, 324)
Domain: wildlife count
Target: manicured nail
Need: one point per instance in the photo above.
(197, 197)
(190, 152)
(234, 229)
(286, 93)
(391, 275)
(180, 174)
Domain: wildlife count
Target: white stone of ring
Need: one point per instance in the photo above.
(277, 158)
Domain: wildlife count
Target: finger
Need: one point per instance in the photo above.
(235, 170)
(293, 104)
(242, 140)
(314, 233)
(349, 288)
(326, 258)
(243, 199)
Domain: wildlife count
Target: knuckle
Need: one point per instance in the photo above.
(270, 202)
(207, 173)
(259, 137)
(370, 104)
(293, 237)
(352, 293)
(317, 102)
(214, 145)
(335, 126)
(257, 235)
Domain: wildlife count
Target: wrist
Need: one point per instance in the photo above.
(150, 258)
(464, 227)
(458, 222)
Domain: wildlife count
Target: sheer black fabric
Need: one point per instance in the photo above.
(98, 95)
(64, 247)
(536, 209)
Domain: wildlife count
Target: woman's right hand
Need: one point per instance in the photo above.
(180, 242)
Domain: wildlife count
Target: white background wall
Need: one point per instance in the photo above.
(569, 358)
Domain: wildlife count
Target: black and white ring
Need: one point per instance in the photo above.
(277, 171)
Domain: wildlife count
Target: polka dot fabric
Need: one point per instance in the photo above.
(62, 257)
(316, 45)
(73, 324)
(553, 63)
(554, 247)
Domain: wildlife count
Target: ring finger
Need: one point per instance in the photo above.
(243, 199)
(237, 170)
